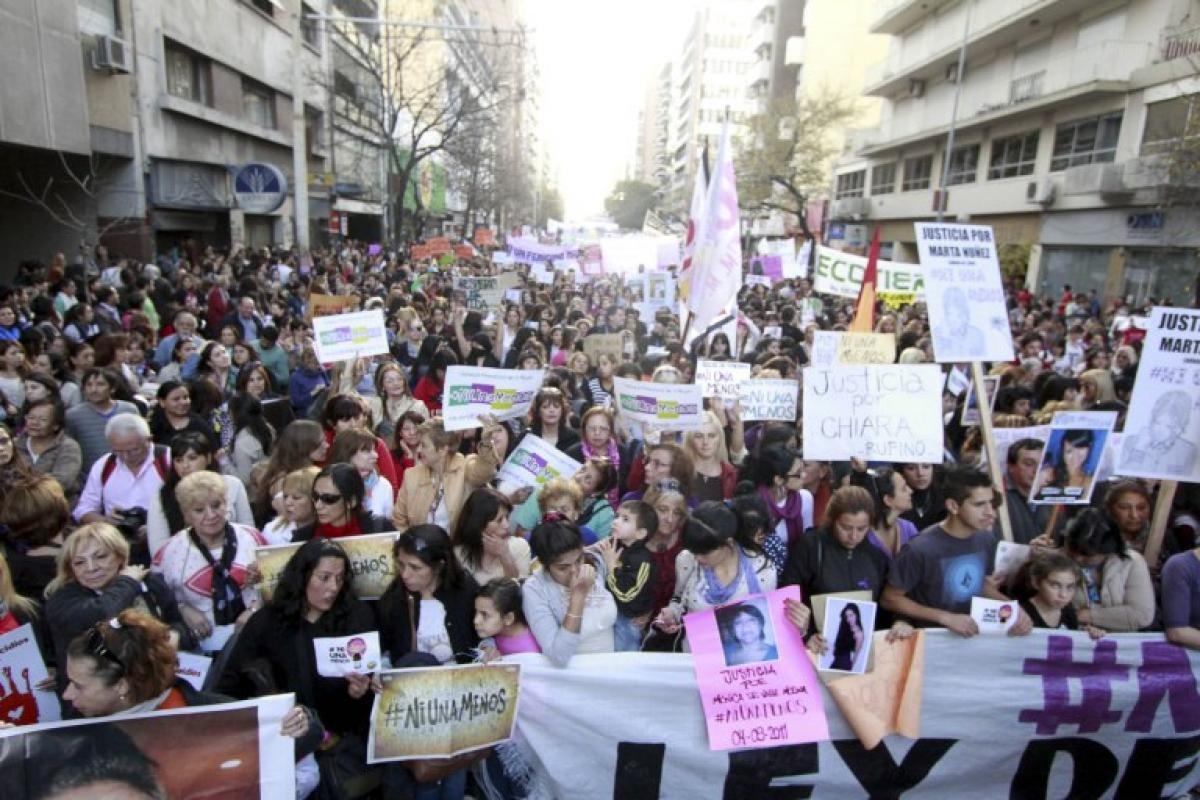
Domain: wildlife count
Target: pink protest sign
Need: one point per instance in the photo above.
(757, 684)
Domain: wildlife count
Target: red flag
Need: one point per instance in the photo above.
(864, 310)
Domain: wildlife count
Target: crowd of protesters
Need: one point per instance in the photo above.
(162, 421)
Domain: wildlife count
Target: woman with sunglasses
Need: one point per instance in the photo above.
(426, 618)
(339, 496)
(94, 581)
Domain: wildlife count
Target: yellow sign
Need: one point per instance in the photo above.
(370, 564)
(866, 348)
(898, 299)
(439, 712)
(611, 343)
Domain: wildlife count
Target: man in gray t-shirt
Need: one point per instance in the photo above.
(936, 574)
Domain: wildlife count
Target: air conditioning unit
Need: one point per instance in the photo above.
(952, 75)
(1104, 179)
(112, 54)
(1042, 192)
(916, 88)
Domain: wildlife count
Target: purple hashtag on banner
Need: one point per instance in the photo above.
(1057, 671)
(1166, 671)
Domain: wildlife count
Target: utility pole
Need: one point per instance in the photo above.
(962, 61)
(299, 138)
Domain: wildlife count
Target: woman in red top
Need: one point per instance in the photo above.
(338, 494)
(429, 388)
(406, 437)
(351, 411)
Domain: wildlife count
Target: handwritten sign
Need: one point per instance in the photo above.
(486, 293)
(371, 567)
(349, 336)
(841, 274)
(662, 406)
(768, 399)
(866, 348)
(596, 344)
(23, 668)
(721, 378)
(1162, 430)
(533, 462)
(878, 413)
(439, 712)
(338, 656)
(1071, 457)
(967, 314)
(757, 685)
(472, 391)
(825, 348)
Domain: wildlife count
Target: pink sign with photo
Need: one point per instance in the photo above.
(757, 685)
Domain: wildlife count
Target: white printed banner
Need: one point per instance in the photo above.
(343, 337)
(967, 314)
(533, 462)
(22, 668)
(661, 406)
(474, 391)
(721, 378)
(1162, 429)
(528, 250)
(1046, 715)
(769, 399)
(841, 274)
(878, 413)
(338, 656)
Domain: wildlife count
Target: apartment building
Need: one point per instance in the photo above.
(654, 126)
(1070, 116)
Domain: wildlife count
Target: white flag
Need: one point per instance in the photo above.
(716, 273)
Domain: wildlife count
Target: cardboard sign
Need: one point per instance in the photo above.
(346, 337)
(596, 344)
(722, 378)
(484, 237)
(866, 348)
(1162, 429)
(474, 391)
(464, 251)
(888, 698)
(326, 305)
(533, 462)
(419, 252)
(371, 567)
(438, 246)
(825, 348)
(967, 313)
(877, 413)
(757, 685)
(339, 656)
(1072, 457)
(768, 399)
(438, 712)
(994, 616)
(1009, 557)
(661, 406)
(848, 629)
(486, 293)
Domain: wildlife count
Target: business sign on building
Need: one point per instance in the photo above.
(259, 188)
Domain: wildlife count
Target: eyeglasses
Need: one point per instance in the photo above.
(326, 499)
(97, 647)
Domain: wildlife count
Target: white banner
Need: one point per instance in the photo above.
(22, 667)
(533, 462)
(343, 337)
(472, 391)
(1047, 715)
(769, 399)
(721, 378)
(485, 293)
(825, 348)
(662, 406)
(227, 750)
(841, 274)
(1163, 426)
(528, 250)
(967, 314)
(878, 413)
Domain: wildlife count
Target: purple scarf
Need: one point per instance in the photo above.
(792, 512)
(613, 455)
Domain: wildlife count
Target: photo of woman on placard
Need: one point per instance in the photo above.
(747, 635)
(1069, 466)
(849, 639)
(848, 625)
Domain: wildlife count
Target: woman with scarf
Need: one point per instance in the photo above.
(779, 479)
(205, 564)
(720, 563)
(598, 440)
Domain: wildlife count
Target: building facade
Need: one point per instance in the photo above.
(1073, 120)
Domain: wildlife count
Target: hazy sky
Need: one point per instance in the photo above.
(595, 57)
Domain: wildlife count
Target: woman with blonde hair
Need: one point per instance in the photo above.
(435, 489)
(1096, 388)
(298, 508)
(18, 609)
(715, 477)
(393, 399)
(95, 581)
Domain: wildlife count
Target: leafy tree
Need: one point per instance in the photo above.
(629, 201)
(785, 160)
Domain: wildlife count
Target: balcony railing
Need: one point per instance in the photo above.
(1026, 88)
(1180, 44)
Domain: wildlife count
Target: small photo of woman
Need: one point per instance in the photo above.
(848, 628)
(747, 634)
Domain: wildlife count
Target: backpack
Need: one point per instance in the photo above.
(161, 463)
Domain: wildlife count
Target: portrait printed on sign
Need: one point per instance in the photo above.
(847, 630)
(1069, 464)
(747, 633)
(1159, 444)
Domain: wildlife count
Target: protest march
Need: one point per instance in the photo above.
(577, 513)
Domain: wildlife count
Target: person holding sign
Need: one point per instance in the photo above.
(435, 489)
(936, 575)
(312, 600)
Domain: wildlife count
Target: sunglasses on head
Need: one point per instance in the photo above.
(326, 499)
(99, 648)
(414, 543)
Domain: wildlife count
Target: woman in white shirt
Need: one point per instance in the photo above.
(356, 447)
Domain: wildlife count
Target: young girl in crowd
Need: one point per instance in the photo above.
(1046, 585)
(500, 620)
